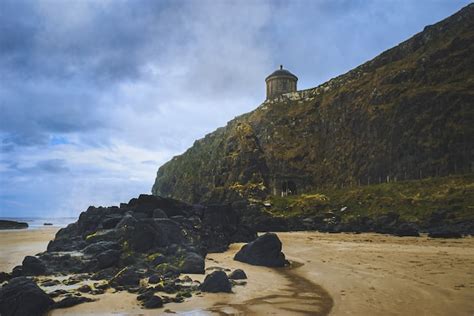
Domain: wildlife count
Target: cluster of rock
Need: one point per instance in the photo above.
(142, 246)
(437, 225)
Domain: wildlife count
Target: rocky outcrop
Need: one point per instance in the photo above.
(22, 297)
(5, 224)
(150, 238)
(403, 115)
(263, 251)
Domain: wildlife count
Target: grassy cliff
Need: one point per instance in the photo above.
(364, 136)
(414, 200)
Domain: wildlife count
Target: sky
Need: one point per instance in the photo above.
(96, 95)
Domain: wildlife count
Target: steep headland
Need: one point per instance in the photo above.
(406, 115)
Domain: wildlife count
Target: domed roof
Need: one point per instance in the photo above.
(281, 73)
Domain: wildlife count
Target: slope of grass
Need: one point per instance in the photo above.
(414, 200)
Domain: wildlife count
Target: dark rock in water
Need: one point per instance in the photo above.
(33, 266)
(48, 224)
(108, 258)
(22, 297)
(153, 302)
(407, 229)
(154, 279)
(238, 274)
(192, 263)
(264, 251)
(126, 277)
(444, 233)
(71, 301)
(216, 282)
(4, 224)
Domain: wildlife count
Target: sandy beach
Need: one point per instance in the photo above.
(339, 274)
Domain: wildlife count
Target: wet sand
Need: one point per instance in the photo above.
(339, 274)
(15, 244)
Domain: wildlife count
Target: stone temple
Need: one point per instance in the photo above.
(279, 82)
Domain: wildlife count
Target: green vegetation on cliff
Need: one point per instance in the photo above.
(414, 200)
(405, 115)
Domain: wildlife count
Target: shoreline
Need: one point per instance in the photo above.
(339, 274)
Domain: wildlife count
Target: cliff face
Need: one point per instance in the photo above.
(406, 114)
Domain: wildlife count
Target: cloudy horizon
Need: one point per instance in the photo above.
(96, 95)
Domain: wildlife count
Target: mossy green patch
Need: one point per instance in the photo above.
(414, 200)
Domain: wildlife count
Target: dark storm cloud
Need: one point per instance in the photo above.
(99, 40)
(96, 94)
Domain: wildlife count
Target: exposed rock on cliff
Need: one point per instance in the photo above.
(406, 114)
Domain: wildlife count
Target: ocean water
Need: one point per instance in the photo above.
(38, 222)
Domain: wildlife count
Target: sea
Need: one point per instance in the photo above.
(38, 222)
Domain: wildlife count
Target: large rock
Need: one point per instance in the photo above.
(33, 266)
(192, 263)
(216, 282)
(4, 224)
(22, 297)
(126, 277)
(153, 302)
(264, 251)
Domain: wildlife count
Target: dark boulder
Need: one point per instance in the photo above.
(238, 274)
(264, 251)
(154, 279)
(216, 282)
(22, 297)
(153, 302)
(192, 263)
(126, 277)
(33, 266)
(84, 288)
(108, 258)
(71, 301)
